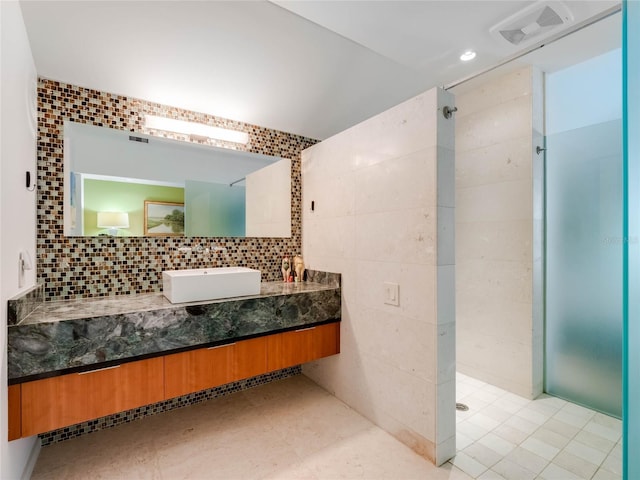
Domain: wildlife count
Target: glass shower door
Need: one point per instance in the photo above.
(583, 322)
(631, 103)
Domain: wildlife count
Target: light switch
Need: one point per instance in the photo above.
(391, 293)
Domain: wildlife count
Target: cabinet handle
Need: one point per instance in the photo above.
(221, 346)
(305, 329)
(99, 370)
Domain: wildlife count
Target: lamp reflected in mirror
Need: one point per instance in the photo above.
(113, 221)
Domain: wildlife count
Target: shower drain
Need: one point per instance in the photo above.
(462, 407)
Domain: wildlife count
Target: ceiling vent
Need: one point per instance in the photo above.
(534, 22)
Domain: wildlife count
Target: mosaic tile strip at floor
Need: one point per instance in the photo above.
(128, 416)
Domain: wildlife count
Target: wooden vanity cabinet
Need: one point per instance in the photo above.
(204, 368)
(302, 345)
(15, 428)
(68, 399)
(43, 405)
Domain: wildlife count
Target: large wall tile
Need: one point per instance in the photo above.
(498, 202)
(446, 308)
(446, 361)
(446, 239)
(499, 241)
(331, 237)
(406, 236)
(404, 343)
(402, 396)
(417, 288)
(489, 93)
(495, 231)
(397, 132)
(446, 404)
(509, 326)
(397, 184)
(479, 281)
(329, 159)
(388, 365)
(500, 162)
(332, 197)
(446, 177)
(495, 125)
(489, 365)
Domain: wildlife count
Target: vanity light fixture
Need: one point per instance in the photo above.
(113, 221)
(196, 130)
(468, 55)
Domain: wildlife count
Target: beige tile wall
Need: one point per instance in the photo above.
(495, 233)
(381, 216)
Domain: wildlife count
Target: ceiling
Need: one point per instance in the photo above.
(313, 68)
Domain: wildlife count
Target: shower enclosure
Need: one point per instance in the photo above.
(631, 119)
(583, 164)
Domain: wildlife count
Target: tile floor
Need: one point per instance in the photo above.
(288, 429)
(293, 429)
(504, 436)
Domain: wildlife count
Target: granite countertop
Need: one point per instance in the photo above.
(78, 335)
(57, 311)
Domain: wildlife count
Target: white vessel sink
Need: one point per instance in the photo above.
(209, 283)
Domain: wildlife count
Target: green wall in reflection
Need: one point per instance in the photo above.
(109, 196)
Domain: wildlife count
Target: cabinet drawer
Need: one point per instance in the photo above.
(60, 401)
(204, 368)
(303, 345)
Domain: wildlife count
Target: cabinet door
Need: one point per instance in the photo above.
(196, 370)
(60, 401)
(250, 358)
(204, 368)
(15, 428)
(303, 345)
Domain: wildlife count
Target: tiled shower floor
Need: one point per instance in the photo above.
(506, 436)
(293, 429)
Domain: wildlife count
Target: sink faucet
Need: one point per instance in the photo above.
(199, 248)
(217, 248)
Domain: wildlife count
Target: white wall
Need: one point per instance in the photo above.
(17, 205)
(383, 193)
(268, 201)
(498, 219)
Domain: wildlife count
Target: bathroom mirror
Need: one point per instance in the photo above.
(129, 184)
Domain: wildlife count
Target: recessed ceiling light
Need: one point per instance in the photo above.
(468, 55)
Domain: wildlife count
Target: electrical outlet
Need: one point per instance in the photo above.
(391, 293)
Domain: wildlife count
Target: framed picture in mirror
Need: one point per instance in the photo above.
(163, 218)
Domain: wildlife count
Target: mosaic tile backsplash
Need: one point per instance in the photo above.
(79, 267)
